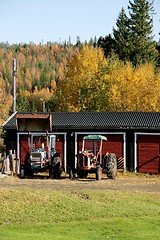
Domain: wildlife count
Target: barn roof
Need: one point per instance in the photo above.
(96, 120)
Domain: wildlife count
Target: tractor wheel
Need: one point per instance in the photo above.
(111, 166)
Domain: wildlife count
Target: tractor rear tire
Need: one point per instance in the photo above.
(111, 166)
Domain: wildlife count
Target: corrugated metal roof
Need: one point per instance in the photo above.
(98, 120)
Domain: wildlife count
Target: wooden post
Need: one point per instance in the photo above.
(13, 164)
(7, 165)
(17, 166)
(14, 85)
(4, 163)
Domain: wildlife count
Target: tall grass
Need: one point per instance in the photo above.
(29, 213)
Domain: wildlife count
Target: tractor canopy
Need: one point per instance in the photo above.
(95, 137)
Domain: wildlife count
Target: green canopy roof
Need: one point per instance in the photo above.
(95, 137)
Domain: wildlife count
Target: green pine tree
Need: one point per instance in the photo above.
(122, 36)
(141, 30)
(107, 44)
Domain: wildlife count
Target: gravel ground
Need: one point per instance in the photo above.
(124, 182)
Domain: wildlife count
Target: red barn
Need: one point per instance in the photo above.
(133, 136)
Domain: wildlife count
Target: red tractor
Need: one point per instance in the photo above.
(91, 159)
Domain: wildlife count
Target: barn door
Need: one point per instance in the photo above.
(23, 147)
(148, 154)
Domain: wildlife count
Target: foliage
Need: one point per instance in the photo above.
(27, 102)
(158, 55)
(79, 78)
(122, 37)
(141, 28)
(132, 38)
(134, 89)
(107, 44)
(71, 79)
(83, 84)
(5, 106)
(38, 67)
(5, 100)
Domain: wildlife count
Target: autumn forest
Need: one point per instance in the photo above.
(118, 72)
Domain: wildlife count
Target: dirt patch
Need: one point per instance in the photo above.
(131, 182)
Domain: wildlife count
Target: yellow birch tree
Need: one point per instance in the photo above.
(82, 80)
(134, 89)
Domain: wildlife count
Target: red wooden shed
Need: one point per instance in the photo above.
(133, 136)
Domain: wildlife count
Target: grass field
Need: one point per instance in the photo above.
(28, 213)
